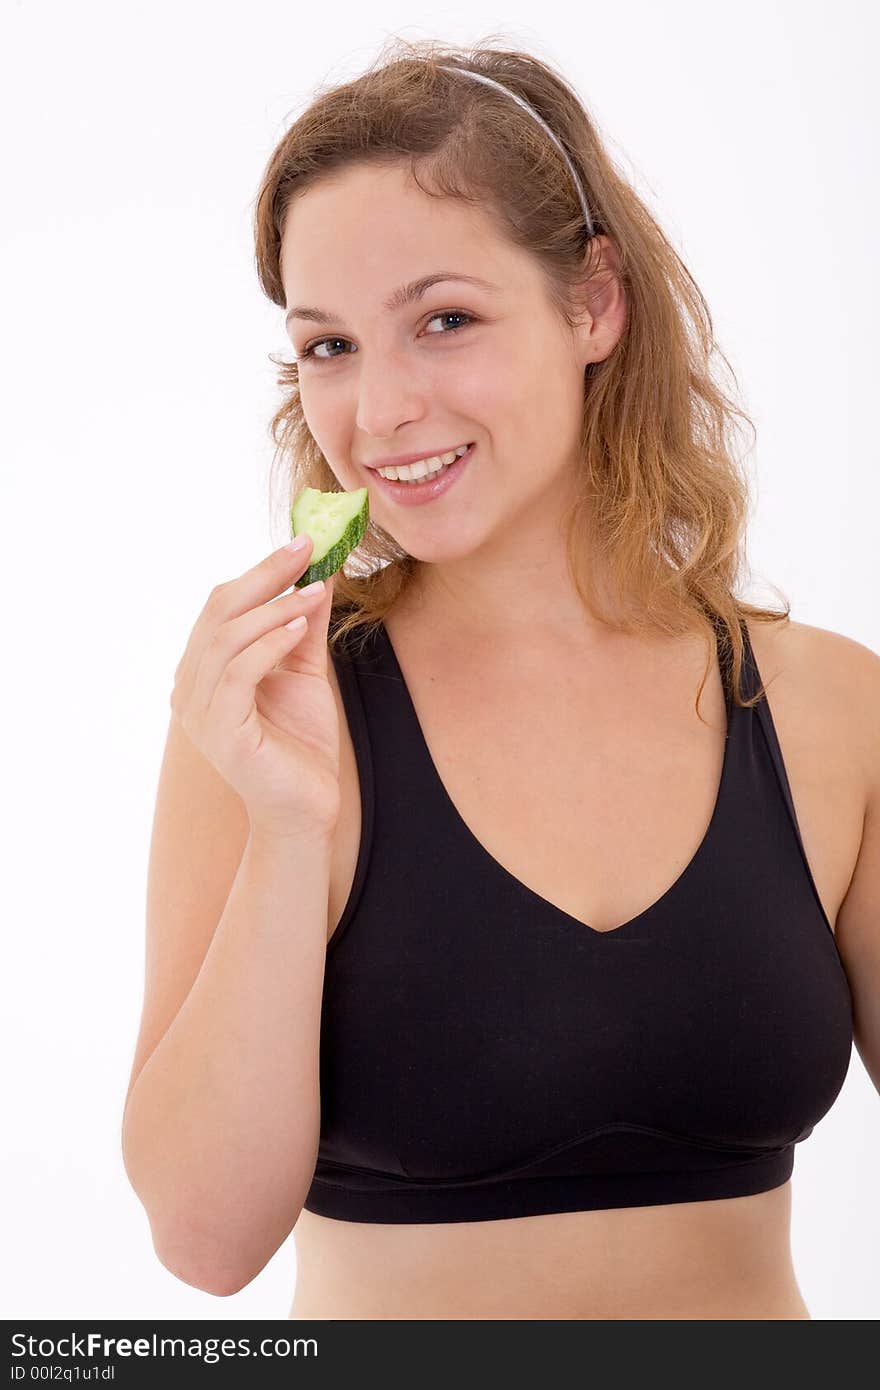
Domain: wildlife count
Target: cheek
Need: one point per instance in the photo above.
(484, 392)
(326, 425)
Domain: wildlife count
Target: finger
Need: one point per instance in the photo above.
(234, 697)
(231, 639)
(311, 653)
(271, 576)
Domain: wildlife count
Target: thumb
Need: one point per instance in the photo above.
(311, 652)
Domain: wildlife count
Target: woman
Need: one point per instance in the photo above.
(477, 954)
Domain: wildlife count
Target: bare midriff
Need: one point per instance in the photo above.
(695, 1260)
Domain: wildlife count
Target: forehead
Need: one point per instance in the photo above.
(376, 228)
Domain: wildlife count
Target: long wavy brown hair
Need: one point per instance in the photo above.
(658, 531)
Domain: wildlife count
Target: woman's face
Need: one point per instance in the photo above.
(420, 378)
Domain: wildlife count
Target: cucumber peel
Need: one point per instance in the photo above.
(336, 522)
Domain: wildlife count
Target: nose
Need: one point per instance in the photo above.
(389, 396)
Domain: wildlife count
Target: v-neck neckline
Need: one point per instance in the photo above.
(544, 903)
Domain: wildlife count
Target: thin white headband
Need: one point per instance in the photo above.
(490, 82)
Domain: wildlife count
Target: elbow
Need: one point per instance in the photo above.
(218, 1259)
(212, 1275)
(194, 1259)
(208, 1281)
(215, 1265)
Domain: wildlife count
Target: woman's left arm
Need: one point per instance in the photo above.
(858, 922)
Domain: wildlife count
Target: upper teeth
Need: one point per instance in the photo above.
(424, 466)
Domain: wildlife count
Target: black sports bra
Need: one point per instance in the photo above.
(486, 1055)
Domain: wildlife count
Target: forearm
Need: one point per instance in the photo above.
(221, 1129)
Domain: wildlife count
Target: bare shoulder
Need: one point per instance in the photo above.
(828, 672)
(827, 654)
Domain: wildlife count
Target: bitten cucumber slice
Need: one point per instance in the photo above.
(336, 522)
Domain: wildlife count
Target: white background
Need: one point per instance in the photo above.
(137, 391)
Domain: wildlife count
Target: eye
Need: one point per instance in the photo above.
(451, 314)
(310, 352)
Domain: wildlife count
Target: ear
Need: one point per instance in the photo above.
(603, 306)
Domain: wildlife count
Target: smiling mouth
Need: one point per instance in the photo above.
(451, 456)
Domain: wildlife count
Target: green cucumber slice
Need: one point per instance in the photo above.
(336, 522)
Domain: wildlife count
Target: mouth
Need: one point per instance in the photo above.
(427, 488)
(421, 468)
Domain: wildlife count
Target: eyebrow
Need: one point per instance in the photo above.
(406, 294)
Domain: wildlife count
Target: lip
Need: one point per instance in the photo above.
(414, 494)
(403, 459)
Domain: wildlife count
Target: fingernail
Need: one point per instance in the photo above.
(298, 543)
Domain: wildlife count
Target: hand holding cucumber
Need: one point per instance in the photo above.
(251, 689)
(253, 695)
